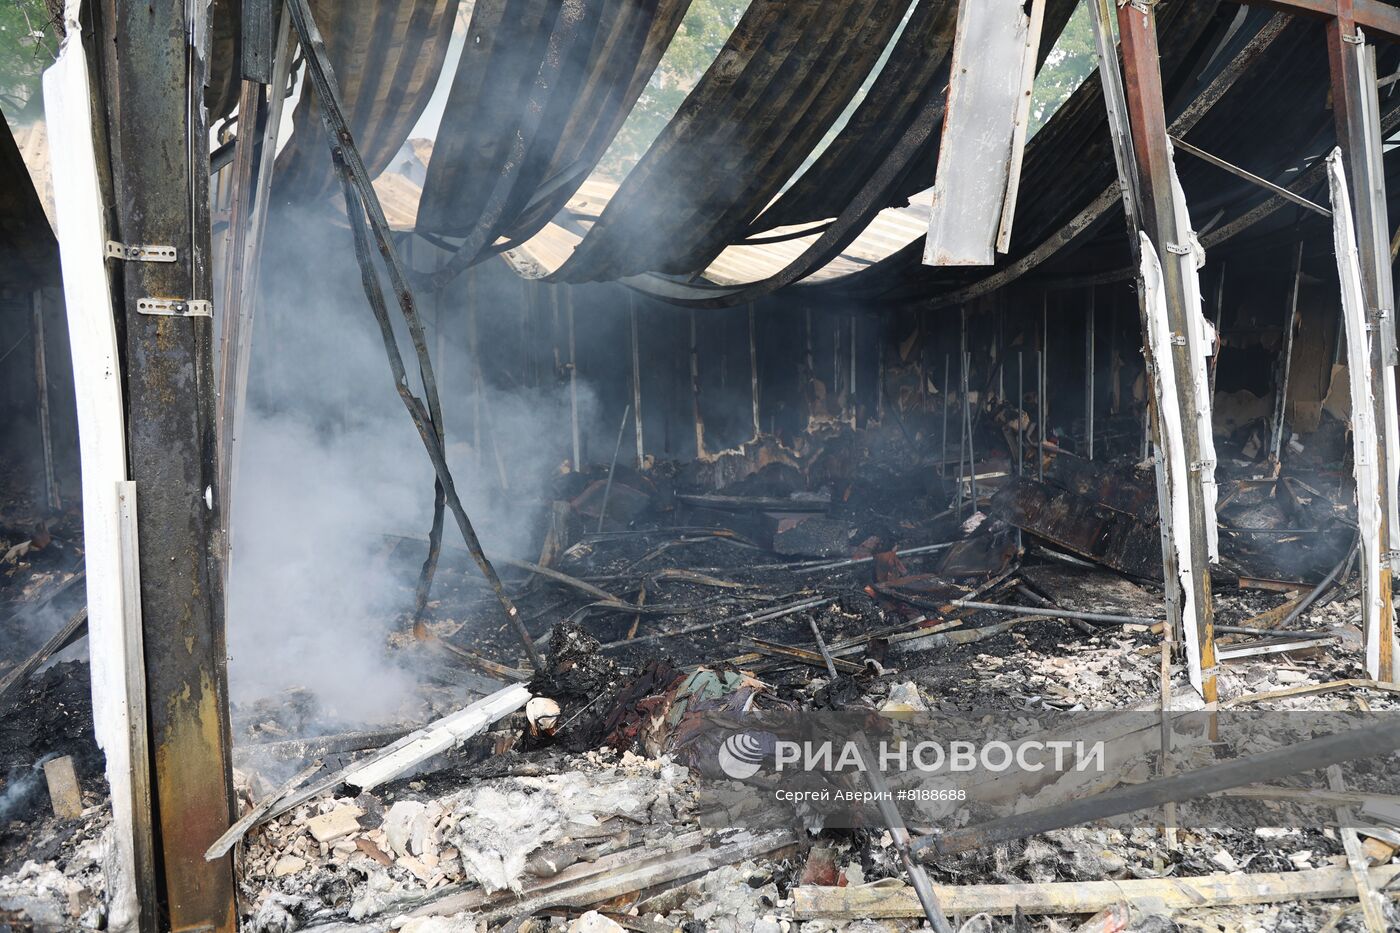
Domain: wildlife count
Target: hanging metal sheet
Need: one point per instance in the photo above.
(989, 55)
(783, 77)
(916, 71)
(612, 50)
(225, 58)
(1068, 185)
(387, 55)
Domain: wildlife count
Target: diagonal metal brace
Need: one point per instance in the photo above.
(427, 418)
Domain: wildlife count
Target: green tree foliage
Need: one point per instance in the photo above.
(698, 40)
(1065, 68)
(28, 44)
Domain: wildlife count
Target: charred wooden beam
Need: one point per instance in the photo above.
(74, 629)
(154, 67)
(1366, 742)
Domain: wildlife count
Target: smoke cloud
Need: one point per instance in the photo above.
(330, 463)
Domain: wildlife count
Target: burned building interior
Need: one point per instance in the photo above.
(429, 425)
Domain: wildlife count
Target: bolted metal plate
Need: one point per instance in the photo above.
(175, 307)
(140, 252)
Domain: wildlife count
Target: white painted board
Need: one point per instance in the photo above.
(1173, 447)
(101, 436)
(979, 126)
(1364, 439)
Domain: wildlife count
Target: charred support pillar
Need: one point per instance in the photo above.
(1285, 364)
(254, 153)
(636, 377)
(1355, 109)
(573, 383)
(41, 393)
(695, 390)
(474, 351)
(1155, 207)
(1089, 378)
(753, 373)
(153, 80)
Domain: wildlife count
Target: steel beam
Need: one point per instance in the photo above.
(1374, 15)
(254, 154)
(1152, 157)
(41, 390)
(1356, 111)
(753, 374)
(637, 377)
(153, 76)
(1285, 364)
(695, 391)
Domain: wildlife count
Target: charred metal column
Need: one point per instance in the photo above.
(1355, 109)
(41, 390)
(636, 377)
(753, 373)
(1285, 363)
(1156, 213)
(153, 74)
(695, 391)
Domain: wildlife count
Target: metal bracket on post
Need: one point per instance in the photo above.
(1385, 326)
(175, 307)
(140, 252)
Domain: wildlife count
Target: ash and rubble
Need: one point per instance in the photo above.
(584, 814)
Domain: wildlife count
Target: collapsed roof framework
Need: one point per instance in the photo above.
(157, 439)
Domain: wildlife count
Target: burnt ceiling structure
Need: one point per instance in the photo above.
(838, 120)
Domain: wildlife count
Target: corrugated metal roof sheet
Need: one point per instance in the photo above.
(784, 76)
(607, 55)
(387, 55)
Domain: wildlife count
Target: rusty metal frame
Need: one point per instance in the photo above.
(1156, 202)
(1356, 112)
(154, 64)
(1095, 210)
(1371, 14)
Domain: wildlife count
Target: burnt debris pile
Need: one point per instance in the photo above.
(850, 573)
